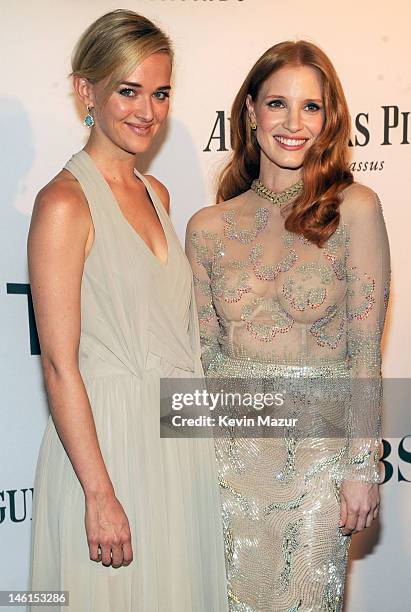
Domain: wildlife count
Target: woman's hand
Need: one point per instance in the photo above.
(360, 502)
(107, 527)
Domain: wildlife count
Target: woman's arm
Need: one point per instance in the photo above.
(197, 253)
(368, 283)
(57, 240)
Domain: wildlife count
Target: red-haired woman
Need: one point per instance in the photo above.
(292, 271)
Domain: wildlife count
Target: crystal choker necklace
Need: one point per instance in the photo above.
(277, 197)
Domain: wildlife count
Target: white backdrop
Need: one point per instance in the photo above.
(216, 42)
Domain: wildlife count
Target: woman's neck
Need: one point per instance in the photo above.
(116, 165)
(276, 178)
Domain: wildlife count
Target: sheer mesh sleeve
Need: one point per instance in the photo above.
(199, 258)
(368, 285)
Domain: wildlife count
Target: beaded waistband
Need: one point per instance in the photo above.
(226, 366)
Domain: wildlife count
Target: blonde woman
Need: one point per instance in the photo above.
(292, 271)
(122, 519)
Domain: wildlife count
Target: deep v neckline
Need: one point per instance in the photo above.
(152, 195)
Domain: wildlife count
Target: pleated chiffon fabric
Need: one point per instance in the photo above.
(138, 324)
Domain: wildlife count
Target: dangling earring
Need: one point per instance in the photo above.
(88, 119)
(253, 125)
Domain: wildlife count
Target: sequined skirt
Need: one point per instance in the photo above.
(280, 494)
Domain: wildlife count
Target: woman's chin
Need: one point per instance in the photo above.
(288, 164)
(138, 148)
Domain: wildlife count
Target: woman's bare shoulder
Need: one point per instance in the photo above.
(61, 218)
(62, 197)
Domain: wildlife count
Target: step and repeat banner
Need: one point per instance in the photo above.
(216, 43)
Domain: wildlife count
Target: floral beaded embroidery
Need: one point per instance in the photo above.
(200, 249)
(221, 291)
(216, 250)
(329, 329)
(366, 290)
(336, 240)
(281, 322)
(203, 285)
(206, 313)
(301, 298)
(245, 236)
(270, 272)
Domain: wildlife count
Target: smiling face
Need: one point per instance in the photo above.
(289, 115)
(135, 111)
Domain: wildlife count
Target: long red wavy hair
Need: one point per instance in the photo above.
(326, 171)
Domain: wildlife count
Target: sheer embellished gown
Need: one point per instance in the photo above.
(138, 324)
(274, 306)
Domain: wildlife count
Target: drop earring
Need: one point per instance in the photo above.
(253, 125)
(88, 119)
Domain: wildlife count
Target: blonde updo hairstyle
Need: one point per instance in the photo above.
(113, 45)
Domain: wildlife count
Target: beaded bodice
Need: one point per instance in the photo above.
(266, 294)
(272, 305)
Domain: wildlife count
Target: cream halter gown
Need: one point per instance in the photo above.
(138, 323)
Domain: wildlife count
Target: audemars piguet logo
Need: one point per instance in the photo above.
(394, 129)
